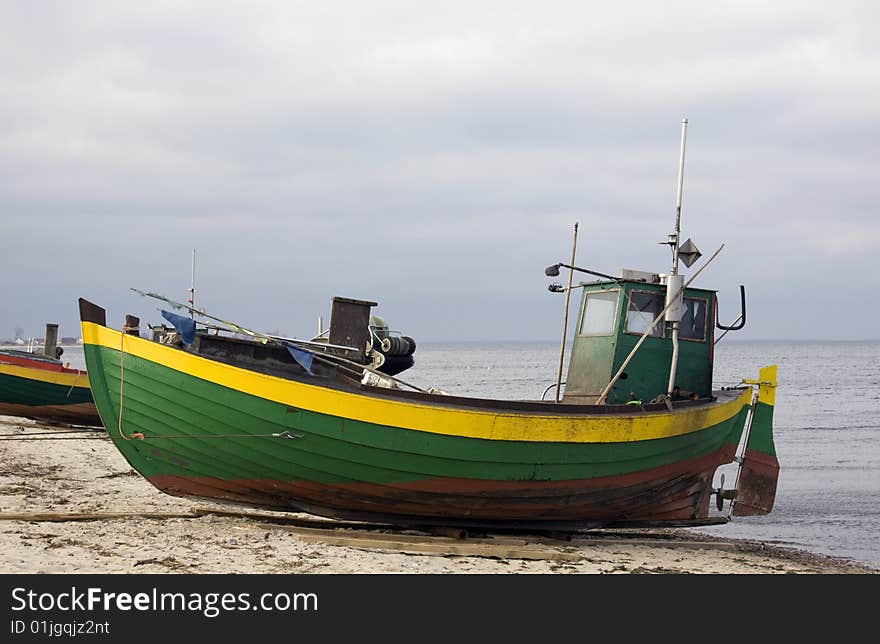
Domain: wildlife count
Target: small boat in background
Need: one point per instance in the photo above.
(41, 387)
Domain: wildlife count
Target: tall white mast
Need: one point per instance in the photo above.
(674, 282)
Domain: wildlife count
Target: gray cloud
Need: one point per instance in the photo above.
(434, 157)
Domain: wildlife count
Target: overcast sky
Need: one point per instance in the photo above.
(434, 157)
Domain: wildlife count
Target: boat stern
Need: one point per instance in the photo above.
(759, 473)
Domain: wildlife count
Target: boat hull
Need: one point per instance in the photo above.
(196, 427)
(43, 390)
(665, 495)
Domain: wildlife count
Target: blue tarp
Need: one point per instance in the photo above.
(186, 327)
(304, 358)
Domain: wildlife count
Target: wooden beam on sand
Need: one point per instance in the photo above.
(437, 546)
(194, 513)
(60, 517)
(387, 538)
(291, 519)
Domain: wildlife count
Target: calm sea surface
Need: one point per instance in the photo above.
(827, 429)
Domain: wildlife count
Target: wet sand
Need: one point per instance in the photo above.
(84, 473)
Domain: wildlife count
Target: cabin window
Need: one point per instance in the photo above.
(643, 309)
(693, 319)
(600, 309)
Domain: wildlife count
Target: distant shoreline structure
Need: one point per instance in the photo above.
(38, 343)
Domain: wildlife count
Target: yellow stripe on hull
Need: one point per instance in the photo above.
(489, 425)
(43, 375)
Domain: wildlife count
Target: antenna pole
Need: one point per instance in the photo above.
(192, 288)
(677, 233)
(565, 315)
(673, 281)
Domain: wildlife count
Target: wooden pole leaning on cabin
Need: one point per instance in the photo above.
(565, 315)
(606, 391)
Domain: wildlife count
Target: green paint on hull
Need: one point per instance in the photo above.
(25, 391)
(761, 433)
(196, 428)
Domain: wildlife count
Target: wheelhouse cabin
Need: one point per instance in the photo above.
(613, 317)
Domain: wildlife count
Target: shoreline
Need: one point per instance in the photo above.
(137, 529)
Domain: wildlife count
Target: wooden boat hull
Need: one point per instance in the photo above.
(197, 427)
(676, 495)
(44, 390)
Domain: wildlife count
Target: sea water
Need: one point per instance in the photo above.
(827, 428)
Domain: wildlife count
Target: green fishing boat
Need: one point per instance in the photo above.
(635, 437)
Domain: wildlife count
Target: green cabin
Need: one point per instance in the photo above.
(613, 317)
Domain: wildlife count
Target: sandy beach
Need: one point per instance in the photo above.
(51, 480)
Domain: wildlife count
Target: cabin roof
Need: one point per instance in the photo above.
(635, 283)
